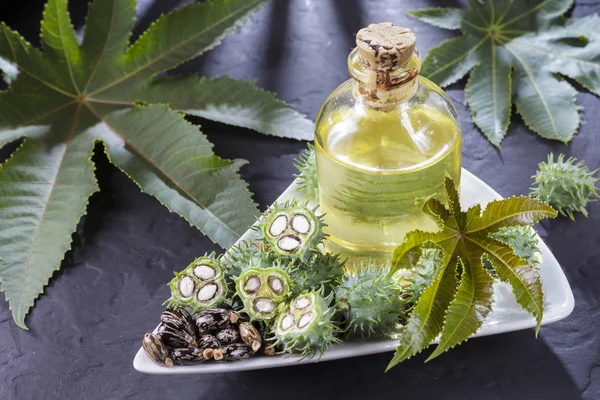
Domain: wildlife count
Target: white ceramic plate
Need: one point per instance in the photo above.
(506, 314)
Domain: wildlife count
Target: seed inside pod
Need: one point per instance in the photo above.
(207, 292)
(288, 243)
(278, 226)
(263, 305)
(252, 284)
(186, 286)
(287, 322)
(302, 302)
(276, 285)
(305, 319)
(300, 224)
(204, 272)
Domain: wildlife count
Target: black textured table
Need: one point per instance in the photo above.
(86, 329)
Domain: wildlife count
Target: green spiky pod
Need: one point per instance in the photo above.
(306, 164)
(522, 240)
(319, 270)
(305, 326)
(292, 230)
(566, 185)
(372, 301)
(425, 270)
(243, 256)
(200, 286)
(262, 290)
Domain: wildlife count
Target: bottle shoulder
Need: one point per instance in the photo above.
(427, 94)
(414, 132)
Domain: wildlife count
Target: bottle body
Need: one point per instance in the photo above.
(373, 163)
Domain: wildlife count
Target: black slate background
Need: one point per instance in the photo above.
(87, 327)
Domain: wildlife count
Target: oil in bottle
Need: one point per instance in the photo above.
(384, 139)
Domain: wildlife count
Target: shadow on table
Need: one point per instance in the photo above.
(514, 365)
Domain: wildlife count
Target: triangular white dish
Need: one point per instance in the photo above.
(506, 314)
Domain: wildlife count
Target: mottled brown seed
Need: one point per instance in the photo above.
(187, 356)
(269, 351)
(210, 320)
(174, 336)
(250, 335)
(235, 352)
(228, 336)
(156, 350)
(208, 341)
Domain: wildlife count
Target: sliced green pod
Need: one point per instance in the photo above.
(305, 325)
(292, 230)
(262, 290)
(200, 286)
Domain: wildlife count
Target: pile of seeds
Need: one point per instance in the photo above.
(216, 334)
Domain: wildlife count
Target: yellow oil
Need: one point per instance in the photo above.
(372, 166)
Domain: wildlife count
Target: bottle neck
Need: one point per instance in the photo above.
(384, 88)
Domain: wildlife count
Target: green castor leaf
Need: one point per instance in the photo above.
(305, 325)
(459, 298)
(200, 286)
(262, 290)
(517, 52)
(292, 230)
(372, 300)
(306, 164)
(566, 185)
(70, 94)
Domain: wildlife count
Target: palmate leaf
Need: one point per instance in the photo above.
(515, 51)
(65, 97)
(456, 308)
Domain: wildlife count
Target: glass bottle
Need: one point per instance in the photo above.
(383, 139)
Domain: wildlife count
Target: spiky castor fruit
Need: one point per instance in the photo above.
(522, 240)
(425, 270)
(262, 290)
(305, 325)
(200, 286)
(567, 185)
(292, 230)
(306, 164)
(243, 256)
(320, 269)
(372, 301)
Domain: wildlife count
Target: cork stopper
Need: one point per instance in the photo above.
(384, 47)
